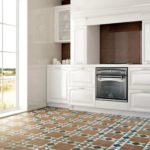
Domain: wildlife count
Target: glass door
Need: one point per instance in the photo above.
(8, 55)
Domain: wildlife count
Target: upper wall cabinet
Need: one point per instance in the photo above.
(146, 42)
(62, 24)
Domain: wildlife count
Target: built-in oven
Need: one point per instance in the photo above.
(112, 83)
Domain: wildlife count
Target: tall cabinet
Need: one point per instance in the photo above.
(85, 44)
(146, 42)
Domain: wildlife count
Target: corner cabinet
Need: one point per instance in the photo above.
(146, 42)
(62, 23)
(57, 84)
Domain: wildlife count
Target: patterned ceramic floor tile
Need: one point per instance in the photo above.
(62, 129)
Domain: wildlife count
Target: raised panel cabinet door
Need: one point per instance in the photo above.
(146, 43)
(140, 101)
(82, 77)
(82, 96)
(79, 54)
(57, 85)
(139, 78)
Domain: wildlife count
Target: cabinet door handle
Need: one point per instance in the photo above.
(82, 88)
(142, 92)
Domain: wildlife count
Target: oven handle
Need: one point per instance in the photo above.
(118, 79)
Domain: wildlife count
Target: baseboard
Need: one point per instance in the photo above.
(110, 111)
(99, 110)
(59, 105)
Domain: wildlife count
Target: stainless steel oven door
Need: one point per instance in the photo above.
(111, 88)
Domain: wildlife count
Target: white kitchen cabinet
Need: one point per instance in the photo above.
(139, 78)
(78, 55)
(85, 44)
(57, 84)
(82, 86)
(82, 97)
(146, 42)
(140, 100)
(82, 77)
(62, 24)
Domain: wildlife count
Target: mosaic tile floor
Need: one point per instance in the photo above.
(63, 129)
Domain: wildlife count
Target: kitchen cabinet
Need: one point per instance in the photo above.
(140, 100)
(78, 55)
(57, 84)
(139, 78)
(85, 44)
(62, 23)
(82, 77)
(139, 89)
(82, 96)
(146, 42)
(82, 86)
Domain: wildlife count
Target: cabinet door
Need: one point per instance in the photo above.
(140, 100)
(62, 24)
(139, 78)
(146, 42)
(82, 76)
(57, 85)
(82, 97)
(79, 35)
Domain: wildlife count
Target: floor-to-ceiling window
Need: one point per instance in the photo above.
(8, 54)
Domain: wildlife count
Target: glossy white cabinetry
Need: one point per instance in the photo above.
(57, 84)
(82, 86)
(140, 100)
(139, 78)
(62, 24)
(82, 96)
(79, 46)
(82, 77)
(85, 44)
(75, 85)
(139, 89)
(146, 42)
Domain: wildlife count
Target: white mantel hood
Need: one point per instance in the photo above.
(88, 5)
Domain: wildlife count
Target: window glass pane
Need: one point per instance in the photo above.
(9, 64)
(1, 101)
(9, 12)
(9, 93)
(9, 38)
(0, 65)
(0, 37)
(0, 11)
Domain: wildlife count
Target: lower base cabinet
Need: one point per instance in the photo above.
(140, 100)
(82, 97)
(57, 83)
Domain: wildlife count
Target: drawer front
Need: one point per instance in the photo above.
(82, 77)
(140, 101)
(82, 97)
(139, 79)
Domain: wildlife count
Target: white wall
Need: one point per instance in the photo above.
(41, 49)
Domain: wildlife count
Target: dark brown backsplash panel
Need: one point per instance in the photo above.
(121, 43)
(65, 51)
(65, 2)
